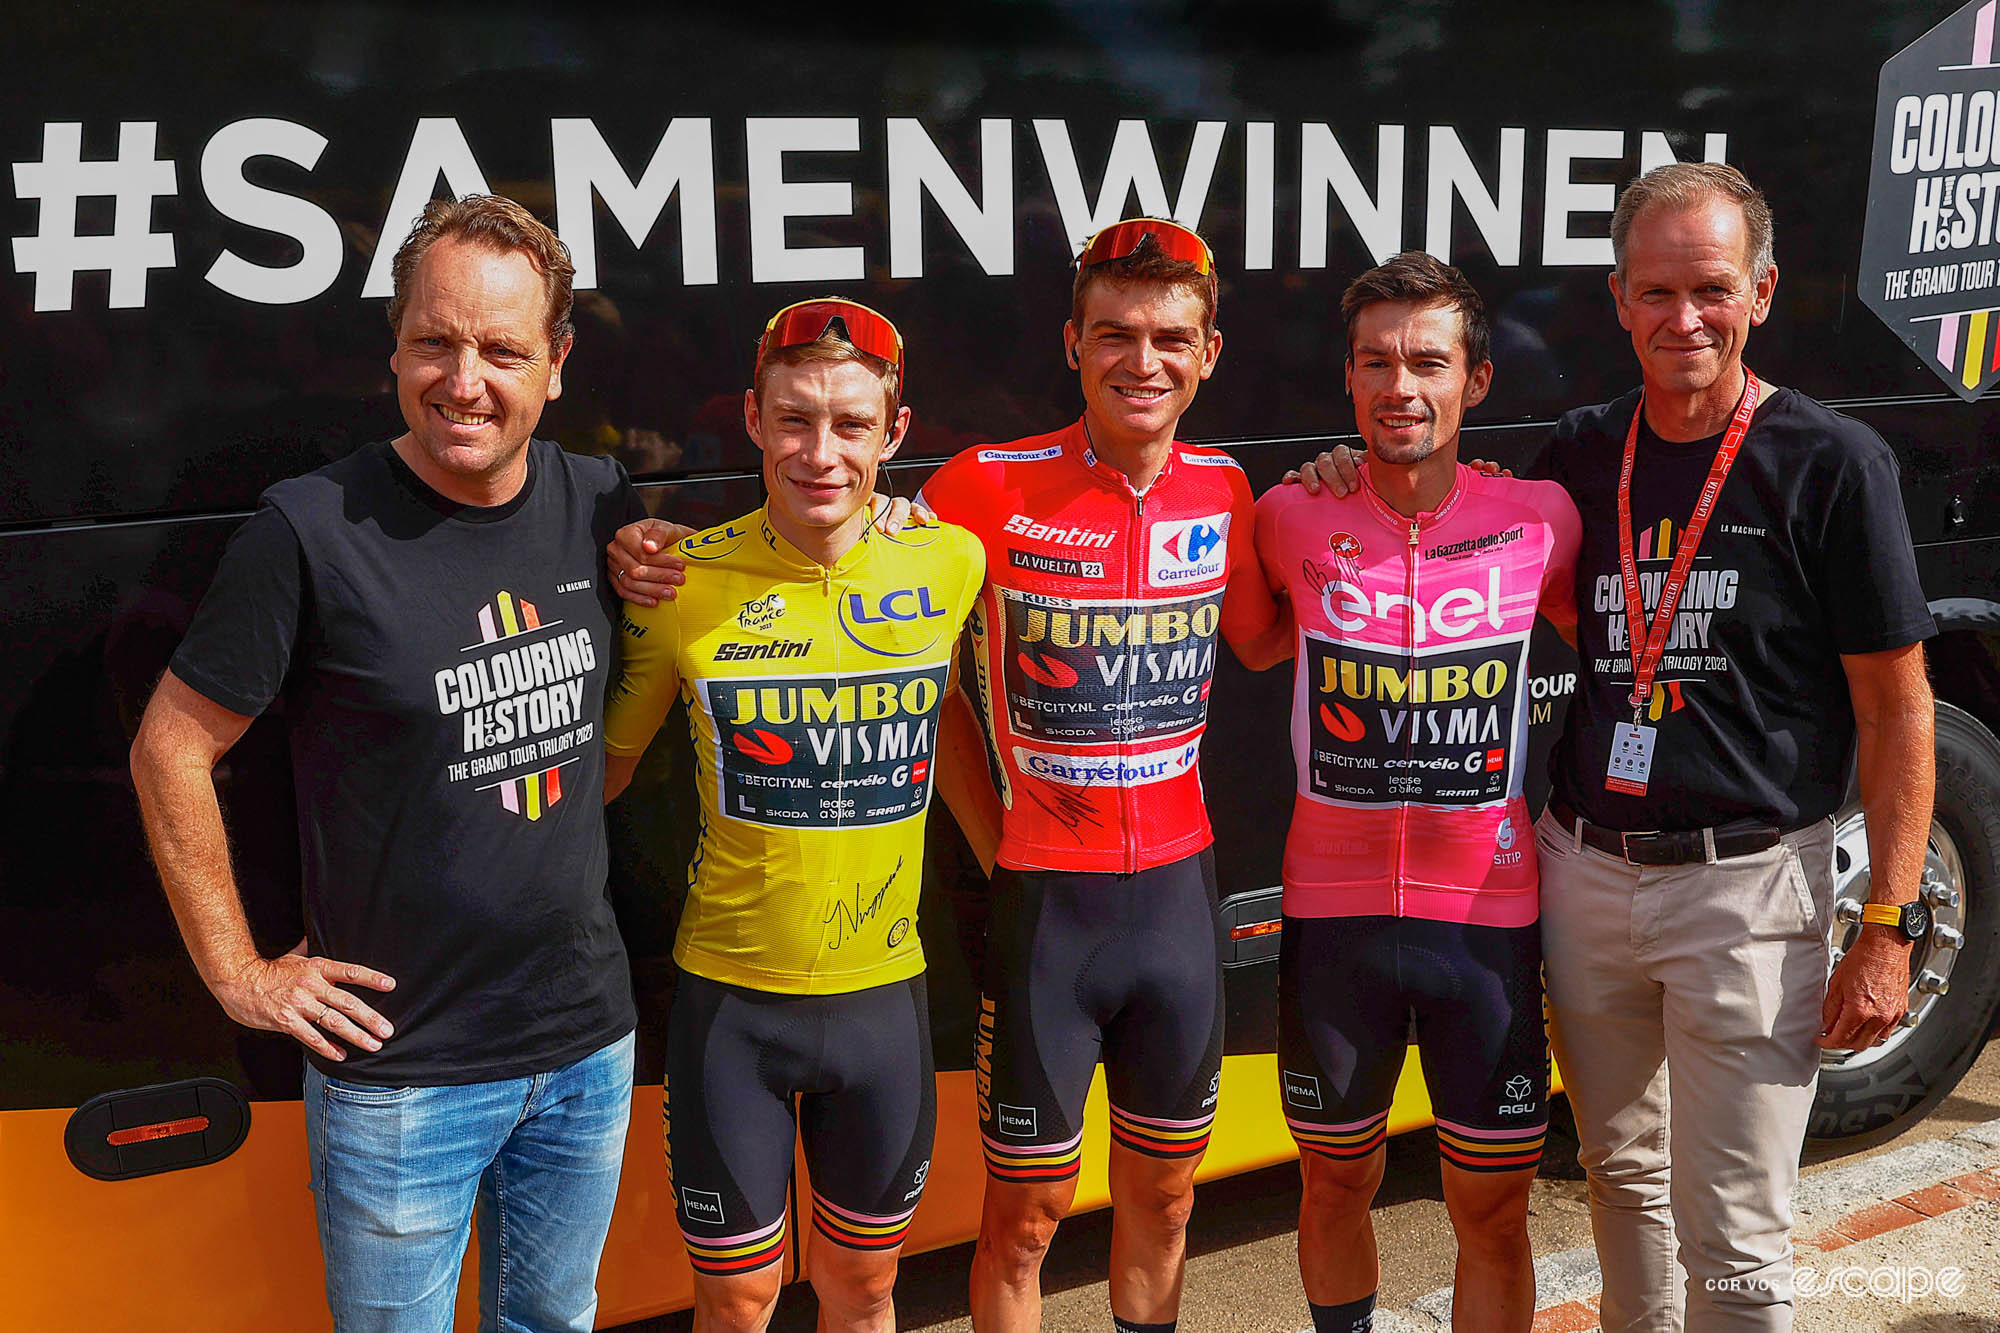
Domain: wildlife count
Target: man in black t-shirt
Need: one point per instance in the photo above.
(1686, 855)
(432, 613)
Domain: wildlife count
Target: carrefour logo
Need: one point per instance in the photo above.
(1115, 771)
(1189, 547)
(1188, 550)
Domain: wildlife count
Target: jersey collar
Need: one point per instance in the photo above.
(1076, 444)
(804, 565)
(1392, 518)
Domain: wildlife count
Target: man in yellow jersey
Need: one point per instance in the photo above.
(814, 652)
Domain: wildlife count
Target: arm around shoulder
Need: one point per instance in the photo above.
(648, 682)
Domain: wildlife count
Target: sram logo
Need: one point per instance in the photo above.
(1455, 613)
(1187, 550)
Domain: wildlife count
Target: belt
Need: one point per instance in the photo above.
(1655, 847)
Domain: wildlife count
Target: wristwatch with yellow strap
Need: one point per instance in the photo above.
(1911, 920)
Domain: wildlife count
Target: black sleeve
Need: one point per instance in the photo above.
(240, 645)
(1541, 464)
(1867, 574)
(617, 504)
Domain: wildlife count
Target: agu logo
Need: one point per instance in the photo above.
(1519, 1093)
(1188, 550)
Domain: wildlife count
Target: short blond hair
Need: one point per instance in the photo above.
(1679, 186)
(830, 346)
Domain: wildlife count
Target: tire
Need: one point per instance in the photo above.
(1877, 1093)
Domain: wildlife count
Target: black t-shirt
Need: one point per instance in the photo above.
(1807, 556)
(444, 671)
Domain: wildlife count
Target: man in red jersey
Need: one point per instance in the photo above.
(1115, 557)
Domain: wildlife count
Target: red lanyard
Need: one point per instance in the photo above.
(1646, 662)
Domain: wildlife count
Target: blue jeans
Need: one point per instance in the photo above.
(396, 1173)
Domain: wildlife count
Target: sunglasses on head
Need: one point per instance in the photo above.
(1121, 240)
(807, 322)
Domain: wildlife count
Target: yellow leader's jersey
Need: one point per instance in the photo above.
(813, 698)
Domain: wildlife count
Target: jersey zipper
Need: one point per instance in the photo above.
(838, 870)
(1134, 593)
(1410, 613)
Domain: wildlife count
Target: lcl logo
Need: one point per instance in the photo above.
(869, 621)
(904, 604)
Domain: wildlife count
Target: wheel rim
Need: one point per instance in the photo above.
(1935, 954)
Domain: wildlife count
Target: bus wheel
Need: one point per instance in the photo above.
(1954, 973)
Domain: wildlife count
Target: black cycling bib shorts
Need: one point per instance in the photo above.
(1126, 968)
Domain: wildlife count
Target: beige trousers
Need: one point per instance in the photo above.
(1684, 1001)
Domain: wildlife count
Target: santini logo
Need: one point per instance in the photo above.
(1087, 538)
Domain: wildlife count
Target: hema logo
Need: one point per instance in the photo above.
(1015, 1121)
(704, 1205)
(1302, 1090)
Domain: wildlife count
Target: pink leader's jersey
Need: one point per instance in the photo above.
(1410, 693)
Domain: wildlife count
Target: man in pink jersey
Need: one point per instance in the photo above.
(1409, 872)
(1116, 556)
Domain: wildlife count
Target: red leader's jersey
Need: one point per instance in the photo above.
(1095, 640)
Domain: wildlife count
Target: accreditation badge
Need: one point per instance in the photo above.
(1631, 759)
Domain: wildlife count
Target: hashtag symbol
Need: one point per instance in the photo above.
(56, 254)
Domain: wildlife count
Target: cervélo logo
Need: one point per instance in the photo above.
(1930, 244)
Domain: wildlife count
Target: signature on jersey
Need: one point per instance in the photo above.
(847, 914)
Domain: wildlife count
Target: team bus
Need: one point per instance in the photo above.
(202, 202)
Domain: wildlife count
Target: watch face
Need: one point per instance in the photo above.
(1917, 919)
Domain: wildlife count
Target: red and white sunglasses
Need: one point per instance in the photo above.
(807, 322)
(1121, 240)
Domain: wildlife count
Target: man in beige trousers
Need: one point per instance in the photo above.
(1750, 617)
